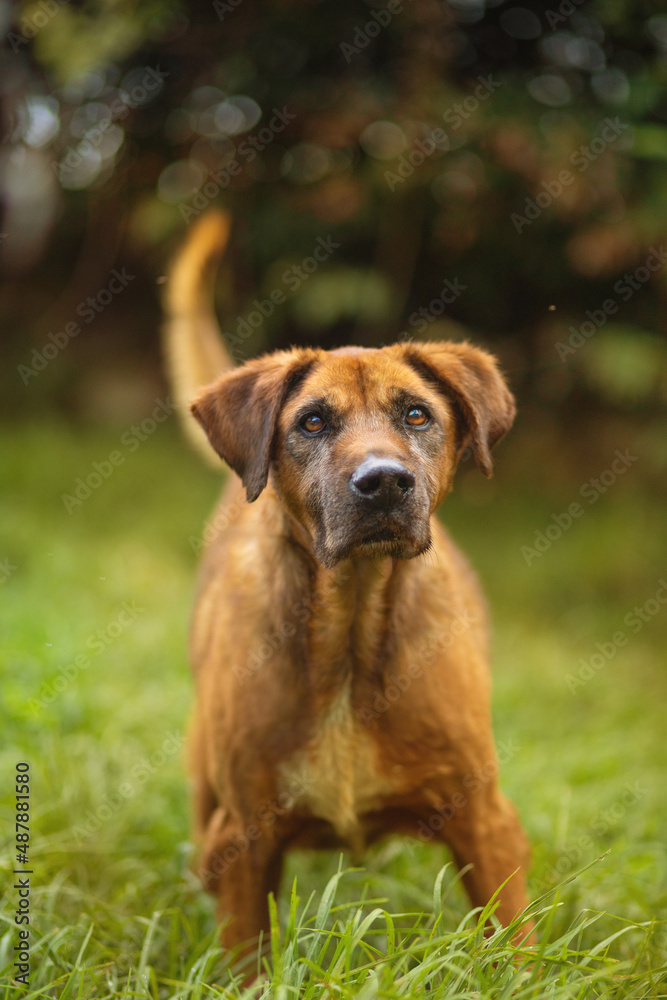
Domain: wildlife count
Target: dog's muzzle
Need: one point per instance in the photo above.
(380, 510)
(381, 484)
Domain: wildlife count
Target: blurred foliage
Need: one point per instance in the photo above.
(517, 149)
(627, 365)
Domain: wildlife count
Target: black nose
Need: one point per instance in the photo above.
(382, 481)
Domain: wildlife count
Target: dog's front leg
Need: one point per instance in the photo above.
(241, 864)
(487, 836)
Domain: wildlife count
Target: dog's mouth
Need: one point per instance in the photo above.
(376, 537)
(348, 526)
(386, 540)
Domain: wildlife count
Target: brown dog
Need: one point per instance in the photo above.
(339, 639)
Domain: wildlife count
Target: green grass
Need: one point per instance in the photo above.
(115, 909)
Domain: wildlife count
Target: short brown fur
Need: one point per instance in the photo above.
(341, 655)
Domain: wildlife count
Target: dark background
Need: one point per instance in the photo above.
(79, 200)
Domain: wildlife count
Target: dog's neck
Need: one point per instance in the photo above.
(349, 624)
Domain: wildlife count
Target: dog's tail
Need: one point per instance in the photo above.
(193, 344)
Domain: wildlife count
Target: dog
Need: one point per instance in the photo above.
(338, 640)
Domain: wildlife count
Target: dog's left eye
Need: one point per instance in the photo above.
(312, 423)
(417, 417)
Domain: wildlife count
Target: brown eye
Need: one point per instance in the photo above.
(312, 423)
(417, 417)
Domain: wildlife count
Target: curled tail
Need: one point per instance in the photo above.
(194, 347)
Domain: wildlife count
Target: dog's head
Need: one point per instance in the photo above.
(361, 444)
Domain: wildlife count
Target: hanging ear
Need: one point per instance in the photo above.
(240, 411)
(471, 378)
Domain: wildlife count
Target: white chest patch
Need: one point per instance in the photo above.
(337, 777)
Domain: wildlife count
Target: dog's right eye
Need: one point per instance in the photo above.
(312, 424)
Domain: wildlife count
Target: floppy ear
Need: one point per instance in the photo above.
(472, 379)
(239, 412)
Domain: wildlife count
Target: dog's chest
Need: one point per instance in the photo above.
(337, 777)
